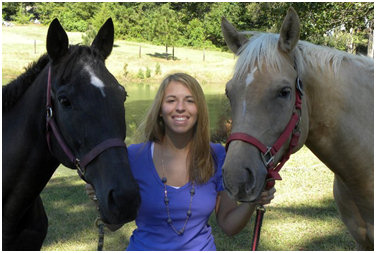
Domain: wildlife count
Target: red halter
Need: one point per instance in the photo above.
(80, 164)
(268, 153)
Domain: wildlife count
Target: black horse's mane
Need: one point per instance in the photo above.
(14, 90)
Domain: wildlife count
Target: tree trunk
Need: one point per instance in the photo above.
(370, 44)
(166, 52)
(350, 43)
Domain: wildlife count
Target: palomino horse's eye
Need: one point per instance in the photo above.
(64, 101)
(284, 92)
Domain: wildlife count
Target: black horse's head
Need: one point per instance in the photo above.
(88, 108)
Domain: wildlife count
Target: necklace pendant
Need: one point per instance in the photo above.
(166, 201)
(192, 191)
(169, 221)
(164, 180)
(181, 232)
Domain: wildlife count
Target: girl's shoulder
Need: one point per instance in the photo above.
(218, 154)
(138, 149)
(218, 149)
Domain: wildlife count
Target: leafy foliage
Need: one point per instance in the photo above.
(197, 24)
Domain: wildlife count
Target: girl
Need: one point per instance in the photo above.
(179, 173)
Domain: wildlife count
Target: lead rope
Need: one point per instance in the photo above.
(100, 225)
(257, 228)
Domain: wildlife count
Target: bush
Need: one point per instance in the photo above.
(23, 17)
(88, 36)
(158, 69)
(125, 71)
(147, 72)
(140, 74)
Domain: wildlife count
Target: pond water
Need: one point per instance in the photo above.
(140, 98)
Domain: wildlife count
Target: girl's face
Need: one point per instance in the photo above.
(179, 110)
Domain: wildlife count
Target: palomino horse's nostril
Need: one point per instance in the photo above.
(250, 182)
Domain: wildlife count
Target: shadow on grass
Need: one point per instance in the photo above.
(163, 56)
(326, 208)
(71, 216)
(276, 228)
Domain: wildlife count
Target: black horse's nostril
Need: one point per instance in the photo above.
(124, 206)
(113, 203)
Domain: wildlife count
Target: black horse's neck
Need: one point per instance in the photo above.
(27, 163)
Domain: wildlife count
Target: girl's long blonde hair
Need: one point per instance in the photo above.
(201, 164)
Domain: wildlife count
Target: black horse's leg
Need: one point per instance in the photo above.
(30, 232)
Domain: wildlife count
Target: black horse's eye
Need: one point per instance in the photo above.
(284, 92)
(64, 101)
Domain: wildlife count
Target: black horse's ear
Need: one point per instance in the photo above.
(104, 40)
(57, 40)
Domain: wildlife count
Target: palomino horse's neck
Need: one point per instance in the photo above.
(339, 97)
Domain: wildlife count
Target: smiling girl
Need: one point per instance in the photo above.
(179, 172)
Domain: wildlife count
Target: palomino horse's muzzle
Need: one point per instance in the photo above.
(268, 153)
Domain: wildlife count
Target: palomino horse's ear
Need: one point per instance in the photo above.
(57, 40)
(104, 40)
(233, 38)
(290, 30)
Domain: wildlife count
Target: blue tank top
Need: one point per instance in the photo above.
(153, 232)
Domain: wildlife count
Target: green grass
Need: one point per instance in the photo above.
(302, 216)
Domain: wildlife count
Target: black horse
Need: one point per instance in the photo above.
(83, 128)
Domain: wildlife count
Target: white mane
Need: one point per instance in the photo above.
(262, 49)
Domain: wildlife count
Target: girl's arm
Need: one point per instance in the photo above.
(232, 217)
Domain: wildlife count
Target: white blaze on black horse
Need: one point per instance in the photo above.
(87, 109)
(335, 117)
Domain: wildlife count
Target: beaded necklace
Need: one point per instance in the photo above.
(166, 201)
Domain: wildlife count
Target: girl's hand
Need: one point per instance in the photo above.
(90, 192)
(266, 197)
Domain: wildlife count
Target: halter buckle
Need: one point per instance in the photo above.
(78, 166)
(299, 86)
(267, 157)
(49, 112)
(260, 208)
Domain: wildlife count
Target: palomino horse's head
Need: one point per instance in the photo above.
(262, 95)
(87, 108)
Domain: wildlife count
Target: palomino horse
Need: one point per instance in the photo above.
(332, 115)
(84, 129)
